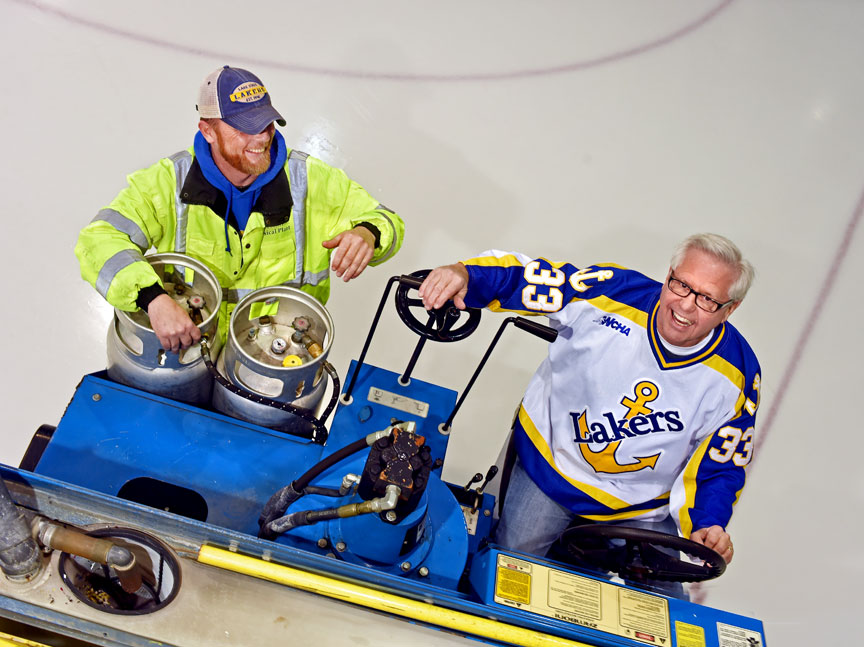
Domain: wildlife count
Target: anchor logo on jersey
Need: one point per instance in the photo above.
(640, 420)
(577, 279)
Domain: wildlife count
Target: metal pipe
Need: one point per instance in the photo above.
(75, 542)
(102, 551)
(311, 345)
(20, 557)
(403, 379)
(380, 504)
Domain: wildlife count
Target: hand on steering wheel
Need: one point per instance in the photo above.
(447, 323)
(637, 554)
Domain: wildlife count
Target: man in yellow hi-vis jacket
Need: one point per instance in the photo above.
(255, 212)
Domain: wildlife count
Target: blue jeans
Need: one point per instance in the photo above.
(531, 522)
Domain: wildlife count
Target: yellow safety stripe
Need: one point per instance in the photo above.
(452, 620)
(8, 640)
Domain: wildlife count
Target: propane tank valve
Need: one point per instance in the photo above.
(311, 345)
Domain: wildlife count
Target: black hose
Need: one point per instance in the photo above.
(324, 491)
(302, 518)
(334, 397)
(280, 501)
(327, 462)
(19, 553)
(319, 431)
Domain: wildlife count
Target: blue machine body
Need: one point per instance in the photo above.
(605, 612)
(113, 437)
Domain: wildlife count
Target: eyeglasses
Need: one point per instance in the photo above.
(703, 301)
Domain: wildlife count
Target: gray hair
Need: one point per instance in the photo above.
(726, 251)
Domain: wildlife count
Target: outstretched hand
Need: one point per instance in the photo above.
(443, 284)
(715, 538)
(172, 325)
(354, 249)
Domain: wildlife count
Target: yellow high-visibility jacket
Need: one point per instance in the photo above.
(170, 207)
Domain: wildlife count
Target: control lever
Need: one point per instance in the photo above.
(489, 476)
(537, 329)
(474, 479)
(479, 492)
(411, 281)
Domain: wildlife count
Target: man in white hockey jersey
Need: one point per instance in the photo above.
(643, 411)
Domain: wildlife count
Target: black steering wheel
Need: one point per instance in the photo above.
(638, 555)
(447, 323)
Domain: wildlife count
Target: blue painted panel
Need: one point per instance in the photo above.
(111, 434)
(365, 415)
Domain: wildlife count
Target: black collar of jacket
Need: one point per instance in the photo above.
(274, 202)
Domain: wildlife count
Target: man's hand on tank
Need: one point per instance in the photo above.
(443, 284)
(172, 325)
(354, 249)
(715, 538)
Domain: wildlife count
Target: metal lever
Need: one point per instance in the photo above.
(489, 476)
(410, 281)
(474, 479)
(536, 329)
(478, 493)
(539, 330)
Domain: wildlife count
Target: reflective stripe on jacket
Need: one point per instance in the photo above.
(169, 207)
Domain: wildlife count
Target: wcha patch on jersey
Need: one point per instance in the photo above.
(611, 322)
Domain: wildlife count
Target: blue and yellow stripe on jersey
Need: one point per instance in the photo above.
(515, 283)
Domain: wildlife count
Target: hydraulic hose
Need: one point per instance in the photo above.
(327, 462)
(319, 431)
(348, 481)
(334, 396)
(279, 502)
(310, 517)
(20, 558)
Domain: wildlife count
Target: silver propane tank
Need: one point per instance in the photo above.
(135, 356)
(278, 341)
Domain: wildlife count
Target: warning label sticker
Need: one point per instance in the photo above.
(574, 594)
(689, 635)
(644, 613)
(400, 402)
(514, 585)
(582, 600)
(731, 636)
(471, 518)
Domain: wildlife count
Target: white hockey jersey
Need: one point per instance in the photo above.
(611, 425)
